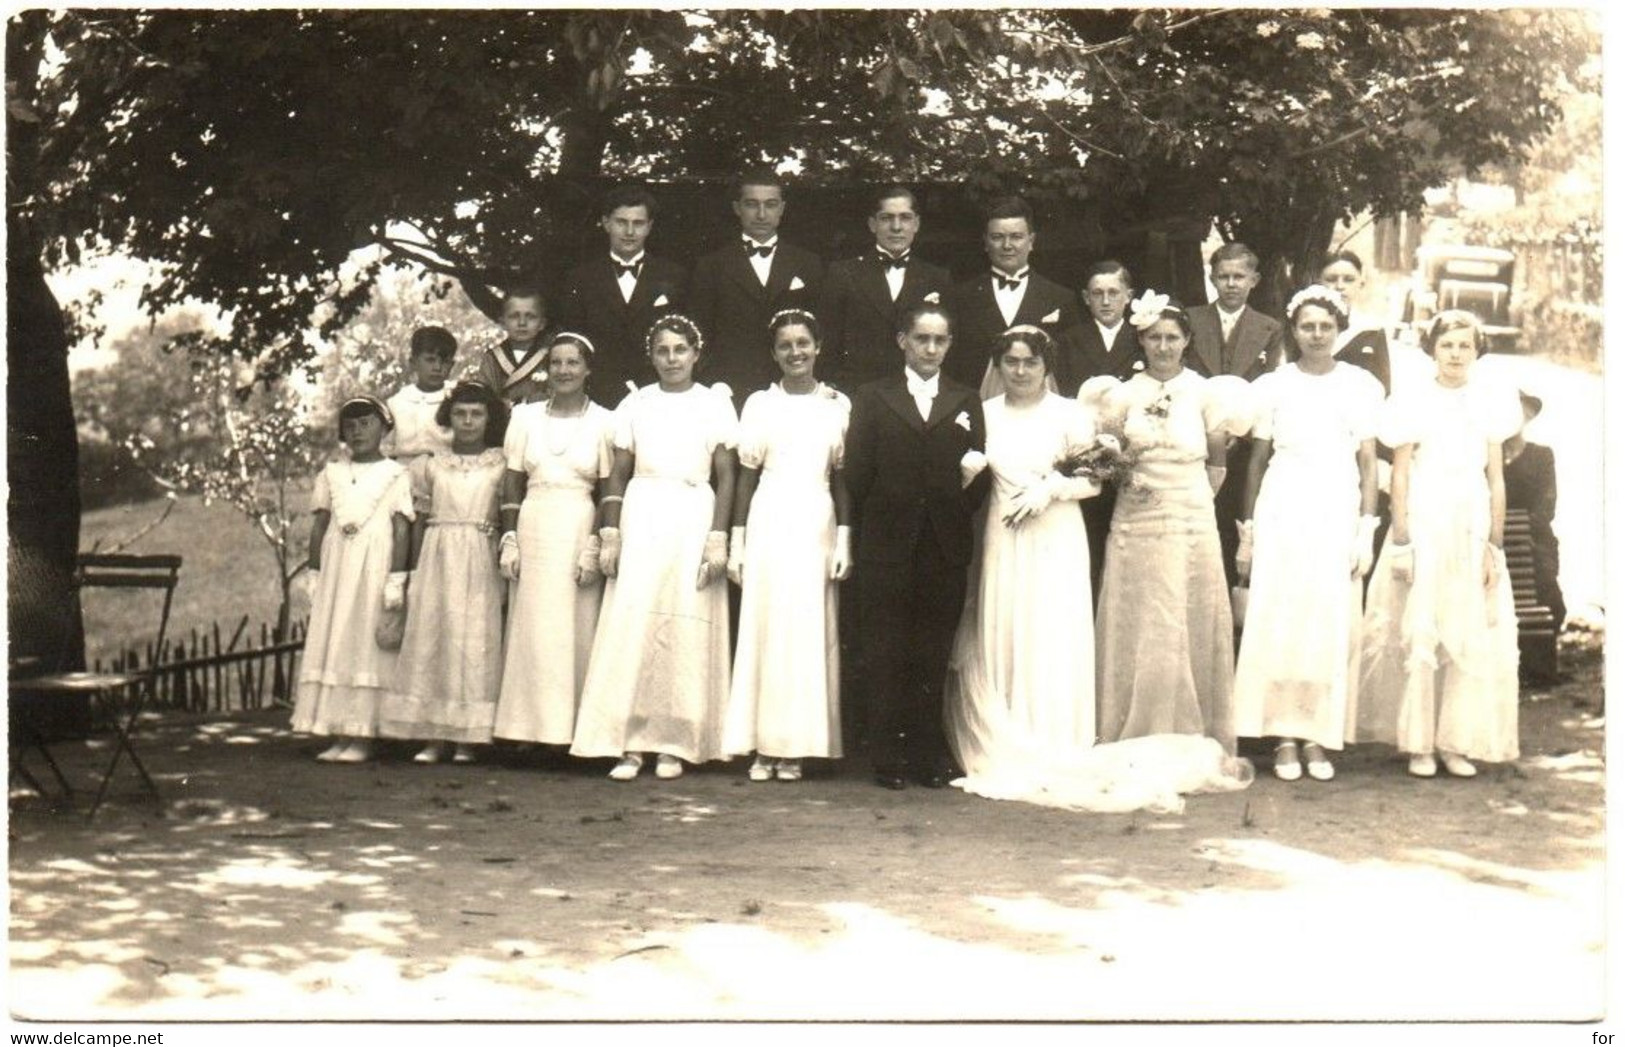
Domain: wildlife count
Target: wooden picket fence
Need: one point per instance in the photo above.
(212, 671)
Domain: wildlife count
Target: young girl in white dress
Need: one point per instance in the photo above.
(657, 680)
(1439, 673)
(558, 451)
(451, 654)
(791, 543)
(1306, 537)
(359, 546)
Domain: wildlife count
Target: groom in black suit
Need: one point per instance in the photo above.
(912, 488)
(613, 298)
(736, 290)
(864, 296)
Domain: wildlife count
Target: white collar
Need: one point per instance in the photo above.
(636, 259)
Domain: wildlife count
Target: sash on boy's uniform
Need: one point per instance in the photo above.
(514, 372)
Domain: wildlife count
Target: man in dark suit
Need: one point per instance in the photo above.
(988, 305)
(736, 289)
(915, 484)
(1231, 337)
(1105, 343)
(864, 296)
(613, 298)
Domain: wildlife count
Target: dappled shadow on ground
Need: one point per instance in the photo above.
(269, 886)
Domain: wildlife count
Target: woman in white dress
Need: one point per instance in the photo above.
(1163, 643)
(1439, 670)
(1307, 510)
(657, 680)
(557, 453)
(1020, 695)
(451, 652)
(791, 544)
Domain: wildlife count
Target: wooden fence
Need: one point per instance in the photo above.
(207, 671)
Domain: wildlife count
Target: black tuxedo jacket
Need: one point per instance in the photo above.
(733, 309)
(977, 321)
(1368, 350)
(1083, 355)
(592, 305)
(859, 318)
(903, 471)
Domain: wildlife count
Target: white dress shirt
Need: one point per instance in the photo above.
(763, 266)
(416, 431)
(1227, 322)
(894, 276)
(1108, 335)
(923, 390)
(628, 281)
(1009, 298)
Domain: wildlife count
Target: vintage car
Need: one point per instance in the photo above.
(1459, 276)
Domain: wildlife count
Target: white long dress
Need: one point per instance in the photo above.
(551, 619)
(1299, 658)
(785, 696)
(1020, 695)
(451, 653)
(657, 680)
(1439, 670)
(343, 673)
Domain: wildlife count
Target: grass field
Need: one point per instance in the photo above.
(228, 572)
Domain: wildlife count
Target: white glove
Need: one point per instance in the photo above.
(714, 560)
(1365, 546)
(1244, 549)
(1404, 562)
(609, 550)
(840, 560)
(970, 466)
(736, 556)
(1215, 477)
(587, 571)
(1033, 499)
(395, 590)
(508, 556)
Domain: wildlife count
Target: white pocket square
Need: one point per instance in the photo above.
(1054, 317)
(1139, 365)
(796, 284)
(662, 300)
(934, 298)
(963, 421)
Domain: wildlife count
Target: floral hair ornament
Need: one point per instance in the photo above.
(1147, 309)
(792, 314)
(1320, 294)
(573, 336)
(677, 323)
(1027, 329)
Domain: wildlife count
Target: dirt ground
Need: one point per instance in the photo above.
(268, 886)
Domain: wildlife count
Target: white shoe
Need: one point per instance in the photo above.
(463, 754)
(789, 770)
(1459, 766)
(431, 753)
(332, 752)
(1316, 764)
(762, 769)
(1423, 766)
(355, 752)
(628, 768)
(668, 767)
(1287, 767)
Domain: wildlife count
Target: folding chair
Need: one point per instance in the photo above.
(38, 700)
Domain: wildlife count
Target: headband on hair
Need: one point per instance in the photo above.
(373, 404)
(1026, 329)
(1319, 294)
(782, 313)
(663, 324)
(573, 336)
(1147, 309)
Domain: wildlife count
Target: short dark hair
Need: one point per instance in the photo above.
(475, 392)
(785, 317)
(758, 176)
(1234, 251)
(1345, 255)
(1009, 207)
(1108, 267)
(627, 196)
(906, 322)
(436, 341)
(892, 192)
(1034, 338)
(524, 291)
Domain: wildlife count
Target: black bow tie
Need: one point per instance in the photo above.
(632, 269)
(1009, 283)
(760, 252)
(889, 262)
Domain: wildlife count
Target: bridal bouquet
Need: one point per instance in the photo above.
(1108, 460)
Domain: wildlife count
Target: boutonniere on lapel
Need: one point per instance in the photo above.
(963, 421)
(1052, 317)
(661, 300)
(934, 298)
(796, 283)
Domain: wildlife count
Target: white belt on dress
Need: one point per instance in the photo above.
(485, 526)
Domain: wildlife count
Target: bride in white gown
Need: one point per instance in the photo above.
(1020, 694)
